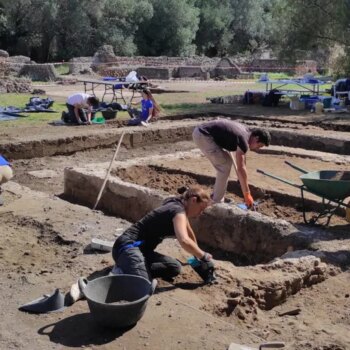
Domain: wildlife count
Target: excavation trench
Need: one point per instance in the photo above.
(167, 132)
(254, 242)
(243, 237)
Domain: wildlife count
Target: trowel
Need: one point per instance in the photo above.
(270, 345)
(244, 206)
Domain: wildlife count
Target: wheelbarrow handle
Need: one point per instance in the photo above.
(296, 167)
(279, 178)
(272, 345)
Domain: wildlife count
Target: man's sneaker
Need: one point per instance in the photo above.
(144, 123)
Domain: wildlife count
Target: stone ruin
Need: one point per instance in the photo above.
(80, 65)
(104, 56)
(227, 68)
(8, 83)
(16, 63)
(14, 68)
(39, 72)
(15, 85)
(274, 65)
(106, 63)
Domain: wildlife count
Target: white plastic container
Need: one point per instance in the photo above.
(318, 107)
(296, 105)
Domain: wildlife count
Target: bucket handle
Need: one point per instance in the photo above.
(153, 286)
(82, 283)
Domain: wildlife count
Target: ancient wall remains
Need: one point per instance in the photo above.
(39, 72)
(16, 63)
(15, 85)
(155, 72)
(77, 65)
(275, 66)
(191, 72)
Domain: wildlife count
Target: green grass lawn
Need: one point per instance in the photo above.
(20, 100)
(174, 103)
(62, 69)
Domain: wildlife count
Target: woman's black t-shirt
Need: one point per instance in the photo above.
(153, 227)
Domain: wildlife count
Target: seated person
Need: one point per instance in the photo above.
(5, 173)
(80, 106)
(149, 109)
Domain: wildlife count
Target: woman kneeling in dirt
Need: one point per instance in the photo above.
(134, 252)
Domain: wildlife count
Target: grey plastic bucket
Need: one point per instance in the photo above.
(118, 301)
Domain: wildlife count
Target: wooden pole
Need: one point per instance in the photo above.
(108, 171)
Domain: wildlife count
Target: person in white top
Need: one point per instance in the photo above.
(80, 107)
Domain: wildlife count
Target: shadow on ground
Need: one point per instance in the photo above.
(80, 330)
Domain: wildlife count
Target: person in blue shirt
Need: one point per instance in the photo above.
(149, 109)
(5, 174)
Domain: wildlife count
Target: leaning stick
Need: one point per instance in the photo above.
(108, 171)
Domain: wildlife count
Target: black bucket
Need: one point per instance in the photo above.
(118, 301)
(109, 114)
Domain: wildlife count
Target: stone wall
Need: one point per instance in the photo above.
(39, 72)
(79, 64)
(226, 68)
(104, 59)
(307, 66)
(16, 63)
(164, 61)
(275, 65)
(225, 227)
(15, 85)
(191, 72)
(196, 67)
(4, 68)
(155, 72)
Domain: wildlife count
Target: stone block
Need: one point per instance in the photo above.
(154, 72)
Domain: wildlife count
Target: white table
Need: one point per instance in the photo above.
(282, 84)
(113, 87)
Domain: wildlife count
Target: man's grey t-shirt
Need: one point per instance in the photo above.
(227, 134)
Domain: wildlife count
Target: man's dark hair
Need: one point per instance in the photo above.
(263, 136)
(94, 101)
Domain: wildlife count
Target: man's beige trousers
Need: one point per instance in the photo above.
(220, 159)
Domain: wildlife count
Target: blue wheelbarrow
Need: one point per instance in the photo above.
(333, 186)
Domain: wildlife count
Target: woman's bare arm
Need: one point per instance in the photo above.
(180, 222)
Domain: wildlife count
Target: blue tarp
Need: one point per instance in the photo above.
(35, 105)
(3, 161)
(10, 116)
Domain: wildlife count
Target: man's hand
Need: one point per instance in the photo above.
(248, 199)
